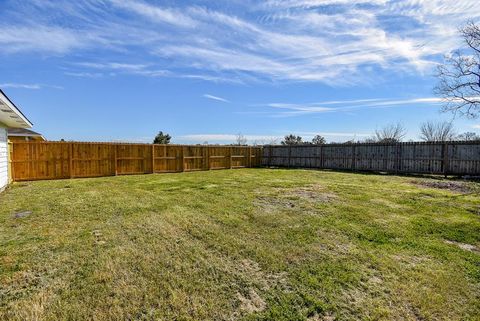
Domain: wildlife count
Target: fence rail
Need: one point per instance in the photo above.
(54, 160)
(447, 158)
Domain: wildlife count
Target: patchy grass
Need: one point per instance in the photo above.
(253, 244)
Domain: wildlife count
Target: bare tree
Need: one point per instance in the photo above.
(273, 141)
(372, 139)
(318, 140)
(265, 141)
(292, 140)
(392, 133)
(459, 76)
(469, 136)
(240, 140)
(437, 132)
(261, 142)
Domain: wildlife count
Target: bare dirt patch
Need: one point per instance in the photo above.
(98, 236)
(313, 193)
(249, 299)
(335, 244)
(288, 198)
(464, 246)
(375, 280)
(410, 260)
(454, 186)
(272, 203)
(251, 302)
(22, 185)
(317, 317)
(22, 214)
(265, 281)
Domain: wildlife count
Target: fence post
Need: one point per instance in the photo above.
(183, 159)
(321, 156)
(445, 158)
(289, 155)
(397, 158)
(165, 153)
(70, 159)
(249, 164)
(153, 158)
(230, 157)
(144, 162)
(207, 158)
(353, 157)
(270, 156)
(116, 161)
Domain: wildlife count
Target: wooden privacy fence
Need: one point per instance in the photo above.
(448, 158)
(54, 160)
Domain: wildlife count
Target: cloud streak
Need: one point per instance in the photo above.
(155, 13)
(28, 86)
(111, 68)
(298, 109)
(212, 97)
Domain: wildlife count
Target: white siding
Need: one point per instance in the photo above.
(3, 158)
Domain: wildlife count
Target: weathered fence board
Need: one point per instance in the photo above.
(54, 160)
(448, 158)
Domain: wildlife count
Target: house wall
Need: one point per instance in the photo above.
(3, 157)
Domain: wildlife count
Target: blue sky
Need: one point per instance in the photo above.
(205, 70)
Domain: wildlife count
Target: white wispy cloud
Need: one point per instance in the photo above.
(156, 13)
(28, 86)
(338, 42)
(22, 86)
(317, 3)
(212, 97)
(114, 65)
(136, 69)
(212, 78)
(84, 74)
(40, 38)
(296, 109)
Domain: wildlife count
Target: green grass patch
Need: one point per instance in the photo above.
(249, 244)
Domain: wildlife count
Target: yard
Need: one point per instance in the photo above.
(253, 244)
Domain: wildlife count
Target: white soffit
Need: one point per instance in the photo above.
(10, 115)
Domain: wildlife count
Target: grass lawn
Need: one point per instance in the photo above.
(249, 244)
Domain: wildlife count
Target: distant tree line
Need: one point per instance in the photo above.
(298, 140)
(394, 133)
